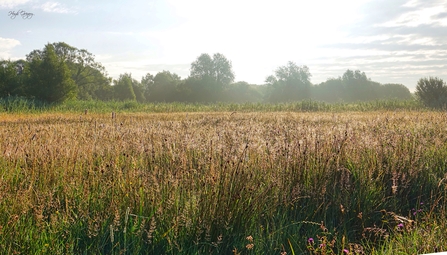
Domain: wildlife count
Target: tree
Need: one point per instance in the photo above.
(89, 76)
(290, 83)
(216, 72)
(331, 91)
(357, 86)
(208, 78)
(202, 67)
(394, 91)
(50, 78)
(242, 92)
(222, 67)
(8, 78)
(147, 82)
(13, 77)
(432, 92)
(164, 87)
(138, 91)
(123, 88)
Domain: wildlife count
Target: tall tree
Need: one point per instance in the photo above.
(217, 71)
(89, 76)
(164, 87)
(358, 87)
(208, 78)
(331, 91)
(50, 77)
(147, 82)
(11, 78)
(394, 91)
(123, 88)
(222, 70)
(290, 83)
(242, 92)
(202, 67)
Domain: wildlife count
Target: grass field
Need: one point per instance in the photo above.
(226, 182)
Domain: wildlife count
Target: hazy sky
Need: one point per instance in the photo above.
(392, 41)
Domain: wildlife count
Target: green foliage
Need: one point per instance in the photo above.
(12, 81)
(331, 91)
(432, 92)
(8, 74)
(162, 87)
(16, 104)
(208, 78)
(88, 75)
(290, 83)
(197, 90)
(23, 105)
(394, 91)
(241, 92)
(123, 88)
(218, 69)
(49, 78)
(355, 86)
(147, 83)
(210, 81)
(138, 91)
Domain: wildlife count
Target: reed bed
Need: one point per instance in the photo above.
(20, 105)
(223, 183)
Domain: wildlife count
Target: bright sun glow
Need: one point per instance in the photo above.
(257, 36)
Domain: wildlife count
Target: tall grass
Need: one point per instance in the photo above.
(13, 104)
(223, 183)
(302, 106)
(22, 105)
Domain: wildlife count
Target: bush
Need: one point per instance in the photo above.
(432, 92)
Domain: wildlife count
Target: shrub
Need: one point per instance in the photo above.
(432, 92)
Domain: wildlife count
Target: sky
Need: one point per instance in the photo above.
(392, 41)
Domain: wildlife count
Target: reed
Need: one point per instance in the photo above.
(23, 105)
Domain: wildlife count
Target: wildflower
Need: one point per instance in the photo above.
(415, 212)
(400, 225)
(345, 251)
(310, 241)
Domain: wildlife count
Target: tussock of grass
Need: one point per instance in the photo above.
(228, 182)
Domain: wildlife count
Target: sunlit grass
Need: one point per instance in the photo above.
(223, 182)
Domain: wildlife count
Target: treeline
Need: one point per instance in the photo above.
(60, 72)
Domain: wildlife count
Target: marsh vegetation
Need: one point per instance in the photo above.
(223, 182)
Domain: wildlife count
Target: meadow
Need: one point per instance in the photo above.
(231, 181)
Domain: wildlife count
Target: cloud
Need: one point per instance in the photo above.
(12, 3)
(55, 7)
(6, 45)
(394, 41)
(424, 16)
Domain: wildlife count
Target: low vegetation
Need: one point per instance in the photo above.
(22, 105)
(241, 179)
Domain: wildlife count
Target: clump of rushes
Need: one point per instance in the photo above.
(209, 183)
